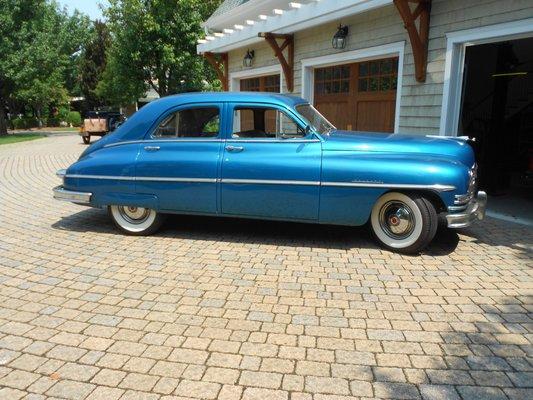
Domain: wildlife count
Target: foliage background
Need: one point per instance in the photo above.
(48, 56)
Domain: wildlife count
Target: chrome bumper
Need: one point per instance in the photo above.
(474, 211)
(60, 193)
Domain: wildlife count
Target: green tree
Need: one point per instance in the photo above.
(154, 46)
(39, 43)
(93, 62)
(14, 33)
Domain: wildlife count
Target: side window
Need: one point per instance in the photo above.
(201, 122)
(264, 123)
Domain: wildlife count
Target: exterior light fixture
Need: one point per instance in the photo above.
(248, 59)
(339, 39)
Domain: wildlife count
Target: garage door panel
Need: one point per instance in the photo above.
(375, 116)
(358, 96)
(335, 111)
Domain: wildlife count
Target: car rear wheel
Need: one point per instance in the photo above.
(136, 220)
(404, 223)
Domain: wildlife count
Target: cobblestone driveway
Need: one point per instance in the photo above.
(255, 310)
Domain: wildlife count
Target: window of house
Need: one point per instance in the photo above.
(201, 122)
(264, 123)
(378, 75)
(332, 80)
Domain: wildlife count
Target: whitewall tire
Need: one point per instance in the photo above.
(404, 223)
(135, 220)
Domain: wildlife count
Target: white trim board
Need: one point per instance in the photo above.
(454, 66)
(235, 77)
(370, 53)
(290, 21)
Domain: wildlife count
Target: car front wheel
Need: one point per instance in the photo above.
(136, 220)
(404, 223)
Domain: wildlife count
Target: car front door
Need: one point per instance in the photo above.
(270, 165)
(179, 161)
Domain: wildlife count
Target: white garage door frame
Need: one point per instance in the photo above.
(371, 53)
(235, 77)
(457, 42)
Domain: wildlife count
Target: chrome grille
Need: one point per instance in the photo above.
(463, 199)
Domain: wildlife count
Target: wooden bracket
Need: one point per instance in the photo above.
(287, 63)
(418, 35)
(220, 64)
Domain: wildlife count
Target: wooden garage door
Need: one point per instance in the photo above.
(269, 83)
(359, 96)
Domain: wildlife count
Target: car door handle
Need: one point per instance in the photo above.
(152, 148)
(234, 149)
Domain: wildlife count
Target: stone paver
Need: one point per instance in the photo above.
(227, 309)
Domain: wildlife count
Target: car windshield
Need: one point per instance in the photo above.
(315, 120)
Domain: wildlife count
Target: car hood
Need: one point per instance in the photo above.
(441, 147)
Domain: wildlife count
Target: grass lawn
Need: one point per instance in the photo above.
(19, 138)
(61, 129)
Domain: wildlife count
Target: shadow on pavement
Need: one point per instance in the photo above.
(251, 231)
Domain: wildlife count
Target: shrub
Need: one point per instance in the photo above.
(73, 118)
(18, 123)
(62, 113)
(53, 122)
(32, 122)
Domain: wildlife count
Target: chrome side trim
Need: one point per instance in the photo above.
(164, 179)
(184, 140)
(143, 178)
(60, 193)
(106, 177)
(123, 143)
(437, 187)
(237, 140)
(270, 182)
(189, 140)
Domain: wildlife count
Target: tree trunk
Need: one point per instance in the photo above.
(3, 120)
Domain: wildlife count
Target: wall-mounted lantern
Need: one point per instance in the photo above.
(248, 59)
(339, 39)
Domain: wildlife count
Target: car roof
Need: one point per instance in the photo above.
(253, 97)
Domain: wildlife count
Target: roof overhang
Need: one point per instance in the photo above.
(307, 15)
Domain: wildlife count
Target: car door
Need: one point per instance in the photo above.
(270, 165)
(179, 160)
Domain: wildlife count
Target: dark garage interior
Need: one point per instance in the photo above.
(497, 112)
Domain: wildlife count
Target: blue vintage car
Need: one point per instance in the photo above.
(271, 156)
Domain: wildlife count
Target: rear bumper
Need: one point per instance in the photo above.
(60, 193)
(475, 211)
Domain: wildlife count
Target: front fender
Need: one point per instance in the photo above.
(353, 181)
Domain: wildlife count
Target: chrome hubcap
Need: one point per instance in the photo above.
(396, 219)
(134, 215)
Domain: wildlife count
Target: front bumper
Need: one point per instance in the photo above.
(60, 193)
(474, 211)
